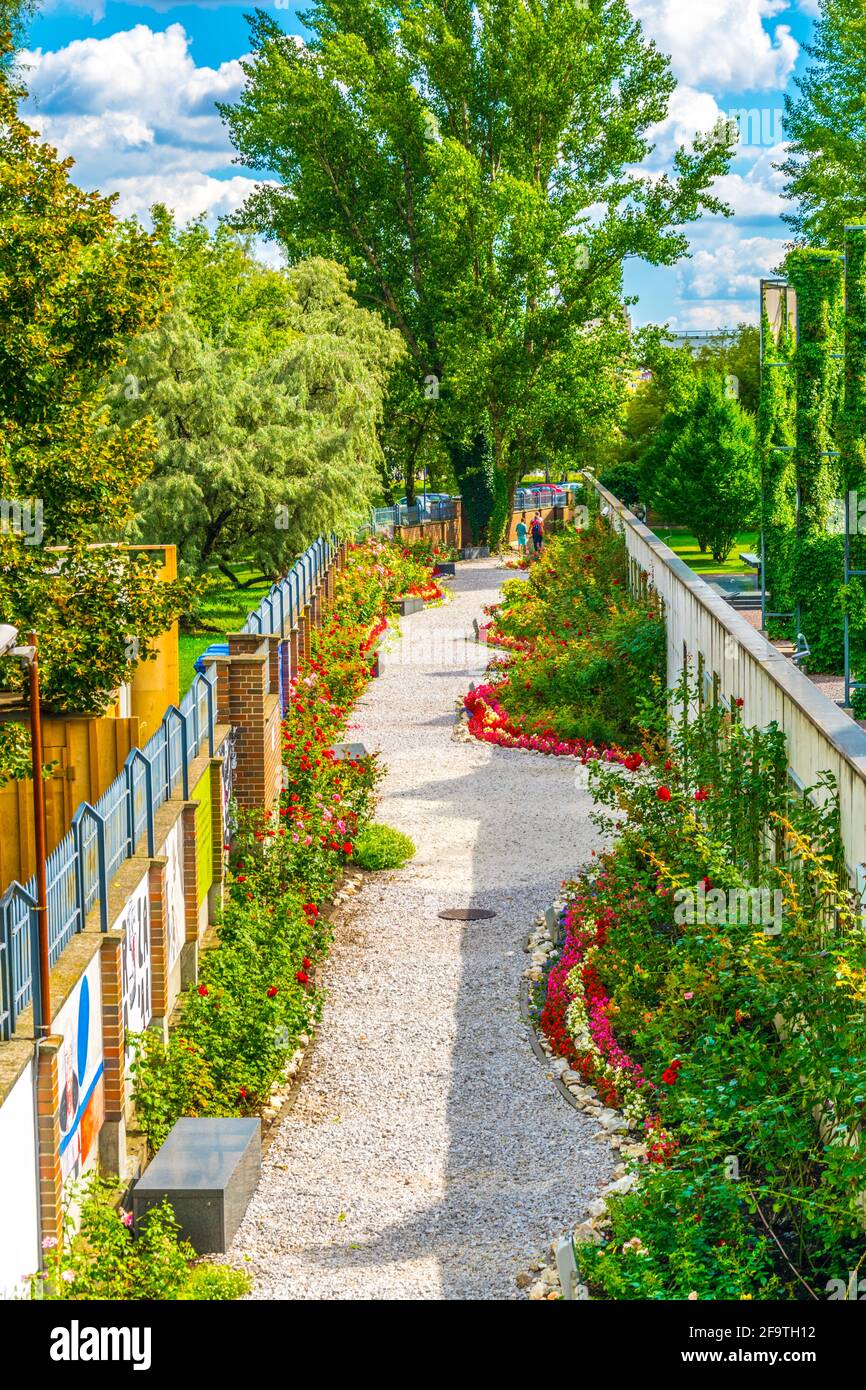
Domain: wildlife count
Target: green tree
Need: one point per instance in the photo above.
(639, 446)
(74, 285)
(739, 357)
(712, 477)
(825, 126)
(477, 168)
(266, 418)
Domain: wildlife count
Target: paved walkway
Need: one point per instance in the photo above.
(428, 1155)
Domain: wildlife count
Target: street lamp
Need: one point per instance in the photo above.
(29, 656)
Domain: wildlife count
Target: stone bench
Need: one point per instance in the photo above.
(208, 1169)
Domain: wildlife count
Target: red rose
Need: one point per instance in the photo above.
(272, 992)
(701, 794)
(202, 989)
(663, 793)
(347, 847)
(306, 962)
(739, 703)
(302, 977)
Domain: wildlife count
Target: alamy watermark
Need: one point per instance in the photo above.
(712, 907)
(759, 126)
(22, 516)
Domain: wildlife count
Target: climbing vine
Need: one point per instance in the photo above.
(852, 446)
(818, 278)
(776, 413)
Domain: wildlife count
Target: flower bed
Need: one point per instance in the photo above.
(583, 654)
(729, 1024)
(489, 721)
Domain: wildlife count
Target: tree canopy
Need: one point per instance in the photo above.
(825, 125)
(477, 169)
(265, 389)
(711, 476)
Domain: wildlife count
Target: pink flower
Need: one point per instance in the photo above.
(68, 1276)
(126, 1218)
(689, 994)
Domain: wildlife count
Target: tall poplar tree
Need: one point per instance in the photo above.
(477, 167)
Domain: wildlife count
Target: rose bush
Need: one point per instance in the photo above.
(582, 651)
(736, 1042)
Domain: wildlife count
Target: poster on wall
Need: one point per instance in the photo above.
(79, 1072)
(175, 909)
(230, 762)
(135, 957)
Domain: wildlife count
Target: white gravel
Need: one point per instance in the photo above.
(428, 1154)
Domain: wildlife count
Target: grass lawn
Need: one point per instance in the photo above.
(686, 546)
(224, 608)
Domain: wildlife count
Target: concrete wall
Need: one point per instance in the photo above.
(19, 1194)
(744, 665)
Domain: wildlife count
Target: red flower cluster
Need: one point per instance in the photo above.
(671, 1073)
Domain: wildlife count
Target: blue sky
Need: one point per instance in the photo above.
(128, 89)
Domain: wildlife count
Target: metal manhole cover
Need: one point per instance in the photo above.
(466, 914)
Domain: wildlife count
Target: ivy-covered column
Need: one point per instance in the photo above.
(818, 278)
(776, 410)
(852, 446)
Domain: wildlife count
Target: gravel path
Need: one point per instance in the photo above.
(428, 1155)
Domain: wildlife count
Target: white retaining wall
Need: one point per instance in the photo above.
(820, 737)
(19, 1196)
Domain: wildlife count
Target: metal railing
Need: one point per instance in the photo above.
(530, 498)
(280, 608)
(101, 839)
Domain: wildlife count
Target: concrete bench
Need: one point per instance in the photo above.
(208, 1169)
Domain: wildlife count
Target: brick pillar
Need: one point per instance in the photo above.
(255, 712)
(305, 636)
(156, 895)
(48, 1138)
(112, 1136)
(294, 651)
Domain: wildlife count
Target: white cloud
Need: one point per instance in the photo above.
(721, 42)
(725, 268)
(189, 194)
(138, 117)
(712, 314)
(690, 112)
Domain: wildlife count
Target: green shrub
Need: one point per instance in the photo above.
(382, 847)
(103, 1259)
(215, 1284)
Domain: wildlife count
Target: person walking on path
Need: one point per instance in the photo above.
(521, 536)
(537, 530)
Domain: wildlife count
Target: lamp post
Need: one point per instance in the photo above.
(30, 657)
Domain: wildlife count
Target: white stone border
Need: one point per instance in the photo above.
(543, 1279)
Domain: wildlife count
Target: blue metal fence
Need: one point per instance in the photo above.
(280, 608)
(102, 838)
